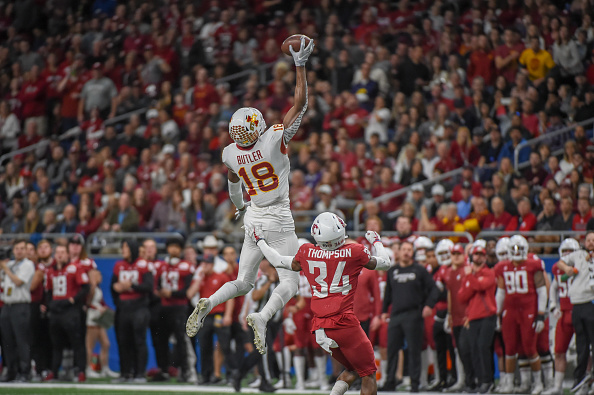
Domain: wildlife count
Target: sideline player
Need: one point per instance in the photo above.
(259, 161)
(332, 269)
(561, 308)
(521, 300)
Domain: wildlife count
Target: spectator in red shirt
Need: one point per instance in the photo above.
(32, 95)
(525, 221)
(204, 92)
(481, 62)
(387, 185)
(507, 55)
(583, 215)
(30, 137)
(226, 34)
(367, 28)
(499, 218)
(353, 117)
(529, 119)
(467, 175)
(535, 174)
(463, 151)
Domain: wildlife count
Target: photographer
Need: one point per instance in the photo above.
(17, 275)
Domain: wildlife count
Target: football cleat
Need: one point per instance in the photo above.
(196, 319)
(258, 325)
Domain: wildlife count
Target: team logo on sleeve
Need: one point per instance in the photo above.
(366, 251)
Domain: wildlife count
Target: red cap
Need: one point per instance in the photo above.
(26, 173)
(97, 66)
(479, 250)
(457, 248)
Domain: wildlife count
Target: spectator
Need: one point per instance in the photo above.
(525, 221)
(480, 62)
(154, 67)
(14, 222)
(566, 55)
(548, 217)
(28, 59)
(57, 168)
(535, 174)
(463, 151)
(32, 97)
(378, 121)
(68, 223)
(387, 185)
(99, 92)
(365, 89)
(536, 62)
(10, 127)
(583, 215)
(124, 219)
(412, 73)
(507, 55)
(508, 150)
(464, 205)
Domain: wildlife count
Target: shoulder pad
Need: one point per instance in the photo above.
(184, 266)
(71, 269)
(141, 263)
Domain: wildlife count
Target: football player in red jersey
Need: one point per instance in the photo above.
(173, 280)
(332, 269)
(41, 346)
(131, 283)
(561, 308)
(68, 287)
(521, 300)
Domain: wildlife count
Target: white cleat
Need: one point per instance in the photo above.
(553, 391)
(258, 325)
(91, 374)
(537, 389)
(196, 319)
(522, 389)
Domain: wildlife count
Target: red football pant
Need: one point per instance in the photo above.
(518, 333)
(354, 351)
(563, 333)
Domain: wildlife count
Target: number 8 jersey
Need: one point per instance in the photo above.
(263, 168)
(333, 277)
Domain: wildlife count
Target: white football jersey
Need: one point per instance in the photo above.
(263, 169)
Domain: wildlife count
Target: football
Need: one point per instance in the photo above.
(295, 41)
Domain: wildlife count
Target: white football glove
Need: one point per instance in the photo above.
(289, 325)
(300, 57)
(556, 312)
(498, 324)
(324, 341)
(239, 213)
(538, 324)
(372, 236)
(446, 325)
(256, 233)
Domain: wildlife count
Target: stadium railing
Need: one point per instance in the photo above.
(555, 140)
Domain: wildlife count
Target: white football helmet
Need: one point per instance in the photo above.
(443, 252)
(502, 249)
(518, 248)
(422, 244)
(329, 231)
(246, 125)
(568, 246)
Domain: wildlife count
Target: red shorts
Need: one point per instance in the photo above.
(518, 333)
(354, 351)
(428, 332)
(302, 319)
(542, 340)
(563, 332)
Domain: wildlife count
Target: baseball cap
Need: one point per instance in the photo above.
(466, 185)
(97, 66)
(438, 189)
(479, 250)
(327, 189)
(417, 187)
(76, 239)
(168, 149)
(152, 113)
(478, 131)
(26, 173)
(457, 249)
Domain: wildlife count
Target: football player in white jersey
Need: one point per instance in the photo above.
(258, 160)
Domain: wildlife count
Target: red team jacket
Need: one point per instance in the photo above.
(333, 276)
(478, 290)
(454, 281)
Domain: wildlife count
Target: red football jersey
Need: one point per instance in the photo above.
(453, 281)
(562, 287)
(86, 264)
(37, 294)
(133, 272)
(210, 285)
(520, 290)
(66, 282)
(175, 278)
(440, 275)
(333, 277)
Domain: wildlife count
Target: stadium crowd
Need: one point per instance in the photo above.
(398, 93)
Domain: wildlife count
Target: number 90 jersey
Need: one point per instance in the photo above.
(333, 276)
(520, 291)
(263, 169)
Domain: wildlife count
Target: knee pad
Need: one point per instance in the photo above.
(243, 287)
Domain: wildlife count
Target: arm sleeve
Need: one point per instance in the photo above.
(553, 294)
(382, 259)
(82, 294)
(375, 292)
(499, 299)
(542, 298)
(292, 130)
(276, 259)
(181, 293)
(235, 194)
(146, 286)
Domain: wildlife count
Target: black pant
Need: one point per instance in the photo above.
(241, 337)
(443, 344)
(406, 325)
(481, 333)
(255, 358)
(65, 330)
(16, 337)
(41, 344)
(583, 323)
(155, 327)
(207, 345)
(172, 321)
(132, 326)
(464, 345)
(365, 326)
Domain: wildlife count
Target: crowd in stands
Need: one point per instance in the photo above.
(398, 93)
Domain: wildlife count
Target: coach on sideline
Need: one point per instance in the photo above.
(411, 292)
(16, 276)
(579, 265)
